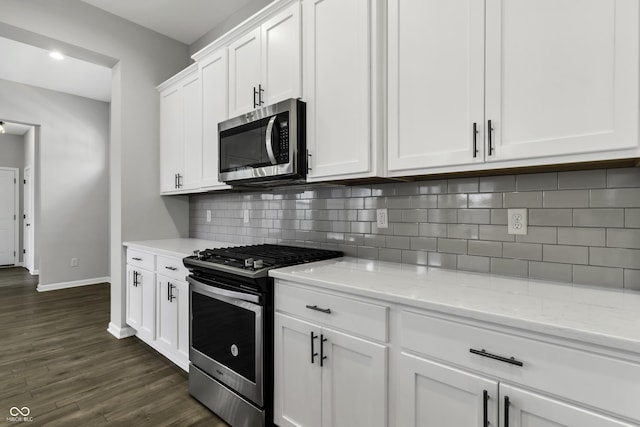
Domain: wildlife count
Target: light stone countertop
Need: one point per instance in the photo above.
(176, 248)
(600, 316)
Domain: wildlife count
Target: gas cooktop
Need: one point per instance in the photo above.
(255, 260)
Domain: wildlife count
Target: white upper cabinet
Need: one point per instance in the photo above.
(481, 84)
(341, 71)
(181, 133)
(264, 64)
(562, 77)
(436, 83)
(213, 76)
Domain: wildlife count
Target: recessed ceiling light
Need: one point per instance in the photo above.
(56, 55)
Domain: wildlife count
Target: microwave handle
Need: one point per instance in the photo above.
(267, 142)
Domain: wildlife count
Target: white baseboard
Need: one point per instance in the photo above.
(119, 332)
(34, 272)
(20, 264)
(76, 283)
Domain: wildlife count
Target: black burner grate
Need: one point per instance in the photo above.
(272, 255)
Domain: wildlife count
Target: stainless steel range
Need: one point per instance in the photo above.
(231, 328)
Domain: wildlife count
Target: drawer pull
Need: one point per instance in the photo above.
(316, 308)
(483, 353)
(136, 259)
(171, 268)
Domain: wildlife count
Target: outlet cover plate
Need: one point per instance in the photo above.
(208, 215)
(382, 218)
(517, 221)
(246, 216)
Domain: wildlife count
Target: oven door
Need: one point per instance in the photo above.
(226, 333)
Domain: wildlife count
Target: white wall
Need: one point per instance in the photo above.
(73, 221)
(12, 150)
(144, 59)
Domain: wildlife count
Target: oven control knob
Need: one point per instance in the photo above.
(248, 263)
(258, 264)
(196, 253)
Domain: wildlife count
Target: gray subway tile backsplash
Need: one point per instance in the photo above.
(584, 226)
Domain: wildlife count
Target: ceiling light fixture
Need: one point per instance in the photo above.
(1, 127)
(56, 55)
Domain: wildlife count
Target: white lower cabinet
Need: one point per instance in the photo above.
(173, 319)
(325, 377)
(141, 301)
(158, 303)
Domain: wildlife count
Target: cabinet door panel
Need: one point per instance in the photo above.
(297, 391)
(244, 72)
(181, 294)
(528, 409)
(214, 76)
(146, 282)
(436, 82)
(192, 119)
(354, 382)
(167, 315)
(281, 62)
(171, 137)
(431, 394)
(562, 76)
(337, 86)
(134, 300)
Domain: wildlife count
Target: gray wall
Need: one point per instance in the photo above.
(73, 220)
(144, 59)
(12, 152)
(584, 226)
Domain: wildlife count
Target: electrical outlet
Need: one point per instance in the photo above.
(517, 221)
(246, 216)
(382, 218)
(208, 215)
(74, 262)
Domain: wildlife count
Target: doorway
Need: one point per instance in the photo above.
(9, 231)
(28, 243)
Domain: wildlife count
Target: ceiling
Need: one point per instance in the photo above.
(15, 128)
(27, 64)
(182, 20)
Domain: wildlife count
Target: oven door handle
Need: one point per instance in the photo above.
(213, 290)
(268, 142)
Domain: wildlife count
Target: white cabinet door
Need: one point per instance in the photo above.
(181, 296)
(146, 283)
(167, 335)
(354, 381)
(244, 73)
(526, 409)
(562, 77)
(134, 299)
(337, 87)
(171, 138)
(431, 394)
(436, 83)
(191, 175)
(298, 389)
(214, 78)
(281, 56)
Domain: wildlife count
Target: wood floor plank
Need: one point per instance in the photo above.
(57, 358)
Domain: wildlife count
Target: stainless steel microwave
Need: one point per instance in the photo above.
(264, 147)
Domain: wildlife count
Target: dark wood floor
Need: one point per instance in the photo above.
(57, 359)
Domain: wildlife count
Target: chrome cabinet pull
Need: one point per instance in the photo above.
(484, 353)
(322, 356)
(308, 161)
(313, 353)
(489, 133)
(485, 411)
(316, 308)
(135, 278)
(475, 142)
(255, 92)
(170, 296)
(507, 403)
(260, 90)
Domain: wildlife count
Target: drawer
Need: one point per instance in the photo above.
(589, 378)
(172, 268)
(141, 259)
(346, 313)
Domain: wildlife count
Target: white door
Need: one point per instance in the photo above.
(281, 56)
(29, 220)
(134, 298)
(244, 73)
(337, 87)
(167, 324)
(171, 138)
(432, 394)
(436, 83)
(354, 381)
(192, 147)
(297, 373)
(526, 409)
(214, 78)
(8, 216)
(562, 76)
